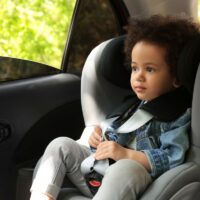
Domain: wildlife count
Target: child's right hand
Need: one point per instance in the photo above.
(96, 137)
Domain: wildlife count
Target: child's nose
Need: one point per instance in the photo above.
(140, 76)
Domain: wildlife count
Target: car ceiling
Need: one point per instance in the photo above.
(145, 8)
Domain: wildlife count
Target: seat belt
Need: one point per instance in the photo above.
(138, 119)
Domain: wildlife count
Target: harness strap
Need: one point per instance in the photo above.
(138, 119)
(90, 164)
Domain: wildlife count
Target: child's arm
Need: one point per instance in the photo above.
(110, 149)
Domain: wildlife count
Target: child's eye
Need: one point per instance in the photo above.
(150, 69)
(134, 68)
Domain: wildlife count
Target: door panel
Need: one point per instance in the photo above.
(35, 111)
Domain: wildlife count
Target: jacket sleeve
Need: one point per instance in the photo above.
(173, 145)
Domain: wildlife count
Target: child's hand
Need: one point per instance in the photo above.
(110, 149)
(113, 150)
(95, 138)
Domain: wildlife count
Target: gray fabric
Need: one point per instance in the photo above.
(172, 181)
(124, 180)
(188, 192)
(71, 194)
(194, 154)
(96, 91)
(63, 156)
(116, 186)
(138, 119)
(89, 164)
(171, 185)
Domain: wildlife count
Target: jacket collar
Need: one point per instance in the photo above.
(169, 106)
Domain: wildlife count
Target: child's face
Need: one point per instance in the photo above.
(150, 75)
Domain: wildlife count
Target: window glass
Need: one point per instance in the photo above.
(199, 10)
(96, 22)
(35, 29)
(13, 69)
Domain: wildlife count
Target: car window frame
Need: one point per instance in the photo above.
(121, 16)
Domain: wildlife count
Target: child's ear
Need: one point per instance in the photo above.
(176, 83)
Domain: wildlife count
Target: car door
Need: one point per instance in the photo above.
(39, 102)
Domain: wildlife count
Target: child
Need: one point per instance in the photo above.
(153, 46)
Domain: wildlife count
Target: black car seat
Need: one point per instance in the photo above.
(105, 84)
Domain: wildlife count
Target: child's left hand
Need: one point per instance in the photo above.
(110, 149)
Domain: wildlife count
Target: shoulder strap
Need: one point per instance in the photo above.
(138, 119)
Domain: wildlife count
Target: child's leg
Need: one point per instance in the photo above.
(124, 180)
(63, 156)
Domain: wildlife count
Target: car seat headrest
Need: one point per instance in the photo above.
(112, 64)
(188, 63)
(113, 69)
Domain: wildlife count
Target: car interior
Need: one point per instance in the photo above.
(34, 111)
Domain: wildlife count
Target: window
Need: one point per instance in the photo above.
(14, 69)
(95, 23)
(199, 10)
(35, 29)
(34, 32)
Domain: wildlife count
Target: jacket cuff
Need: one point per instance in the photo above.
(158, 161)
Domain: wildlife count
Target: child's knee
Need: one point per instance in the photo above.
(60, 144)
(126, 170)
(127, 175)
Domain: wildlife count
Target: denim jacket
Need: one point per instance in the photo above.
(164, 139)
(164, 143)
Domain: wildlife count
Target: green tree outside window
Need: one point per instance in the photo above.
(35, 29)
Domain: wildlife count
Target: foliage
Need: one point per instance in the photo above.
(35, 29)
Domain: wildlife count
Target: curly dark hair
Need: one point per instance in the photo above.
(169, 32)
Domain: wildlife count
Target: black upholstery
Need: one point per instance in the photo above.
(115, 70)
(188, 63)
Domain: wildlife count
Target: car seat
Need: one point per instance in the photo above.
(105, 85)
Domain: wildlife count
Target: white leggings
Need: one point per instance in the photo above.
(123, 180)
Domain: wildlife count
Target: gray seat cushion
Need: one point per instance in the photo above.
(71, 194)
